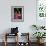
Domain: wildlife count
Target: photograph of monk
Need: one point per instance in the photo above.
(17, 13)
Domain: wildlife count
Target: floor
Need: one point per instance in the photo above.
(13, 44)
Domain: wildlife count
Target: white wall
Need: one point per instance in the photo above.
(29, 15)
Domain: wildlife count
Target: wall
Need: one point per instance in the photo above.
(29, 15)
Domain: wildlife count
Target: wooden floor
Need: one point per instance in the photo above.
(13, 44)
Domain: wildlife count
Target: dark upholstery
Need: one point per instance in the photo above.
(14, 30)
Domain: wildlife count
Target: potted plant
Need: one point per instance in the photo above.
(39, 35)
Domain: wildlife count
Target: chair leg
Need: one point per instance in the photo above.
(5, 43)
(5, 40)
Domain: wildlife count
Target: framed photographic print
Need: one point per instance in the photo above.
(17, 13)
(41, 8)
(41, 12)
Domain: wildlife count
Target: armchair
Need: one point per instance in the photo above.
(14, 32)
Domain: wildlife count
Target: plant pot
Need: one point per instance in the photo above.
(38, 40)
